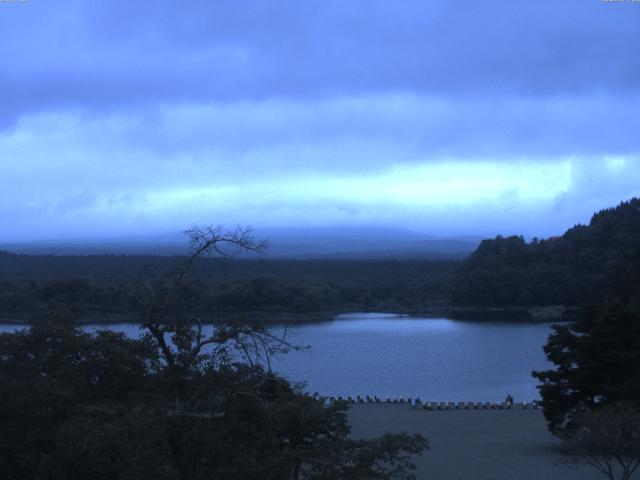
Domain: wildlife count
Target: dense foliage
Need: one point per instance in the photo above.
(596, 263)
(75, 405)
(607, 439)
(591, 399)
(31, 285)
(597, 363)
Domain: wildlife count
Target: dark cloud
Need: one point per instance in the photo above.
(123, 54)
(153, 114)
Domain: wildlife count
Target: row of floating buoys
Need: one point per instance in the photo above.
(480, 405)
(417, 403)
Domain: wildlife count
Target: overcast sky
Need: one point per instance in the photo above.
(446, 117)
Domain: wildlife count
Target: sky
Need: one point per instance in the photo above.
(449, 118)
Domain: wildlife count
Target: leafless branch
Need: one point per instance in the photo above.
(154, 300)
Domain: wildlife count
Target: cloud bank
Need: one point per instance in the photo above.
(444, 117)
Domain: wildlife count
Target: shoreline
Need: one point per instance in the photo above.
(529, 314)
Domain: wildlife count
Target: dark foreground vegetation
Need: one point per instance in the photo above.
(175, 404)
(592, 398)
(102, 406)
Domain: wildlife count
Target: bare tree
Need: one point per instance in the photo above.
(181, 340)
(608, 439)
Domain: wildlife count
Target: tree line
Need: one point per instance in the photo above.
(84, 286)
(594, 263)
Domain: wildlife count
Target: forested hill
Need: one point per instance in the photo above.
(589, 264)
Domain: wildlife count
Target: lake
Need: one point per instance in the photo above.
(437, 359)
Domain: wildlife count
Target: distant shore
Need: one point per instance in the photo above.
(552, 313)
(533, 313)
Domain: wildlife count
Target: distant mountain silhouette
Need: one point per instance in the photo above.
(297, 243)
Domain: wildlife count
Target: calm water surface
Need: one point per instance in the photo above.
(436, 359)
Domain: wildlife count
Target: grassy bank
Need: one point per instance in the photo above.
(473, 444)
